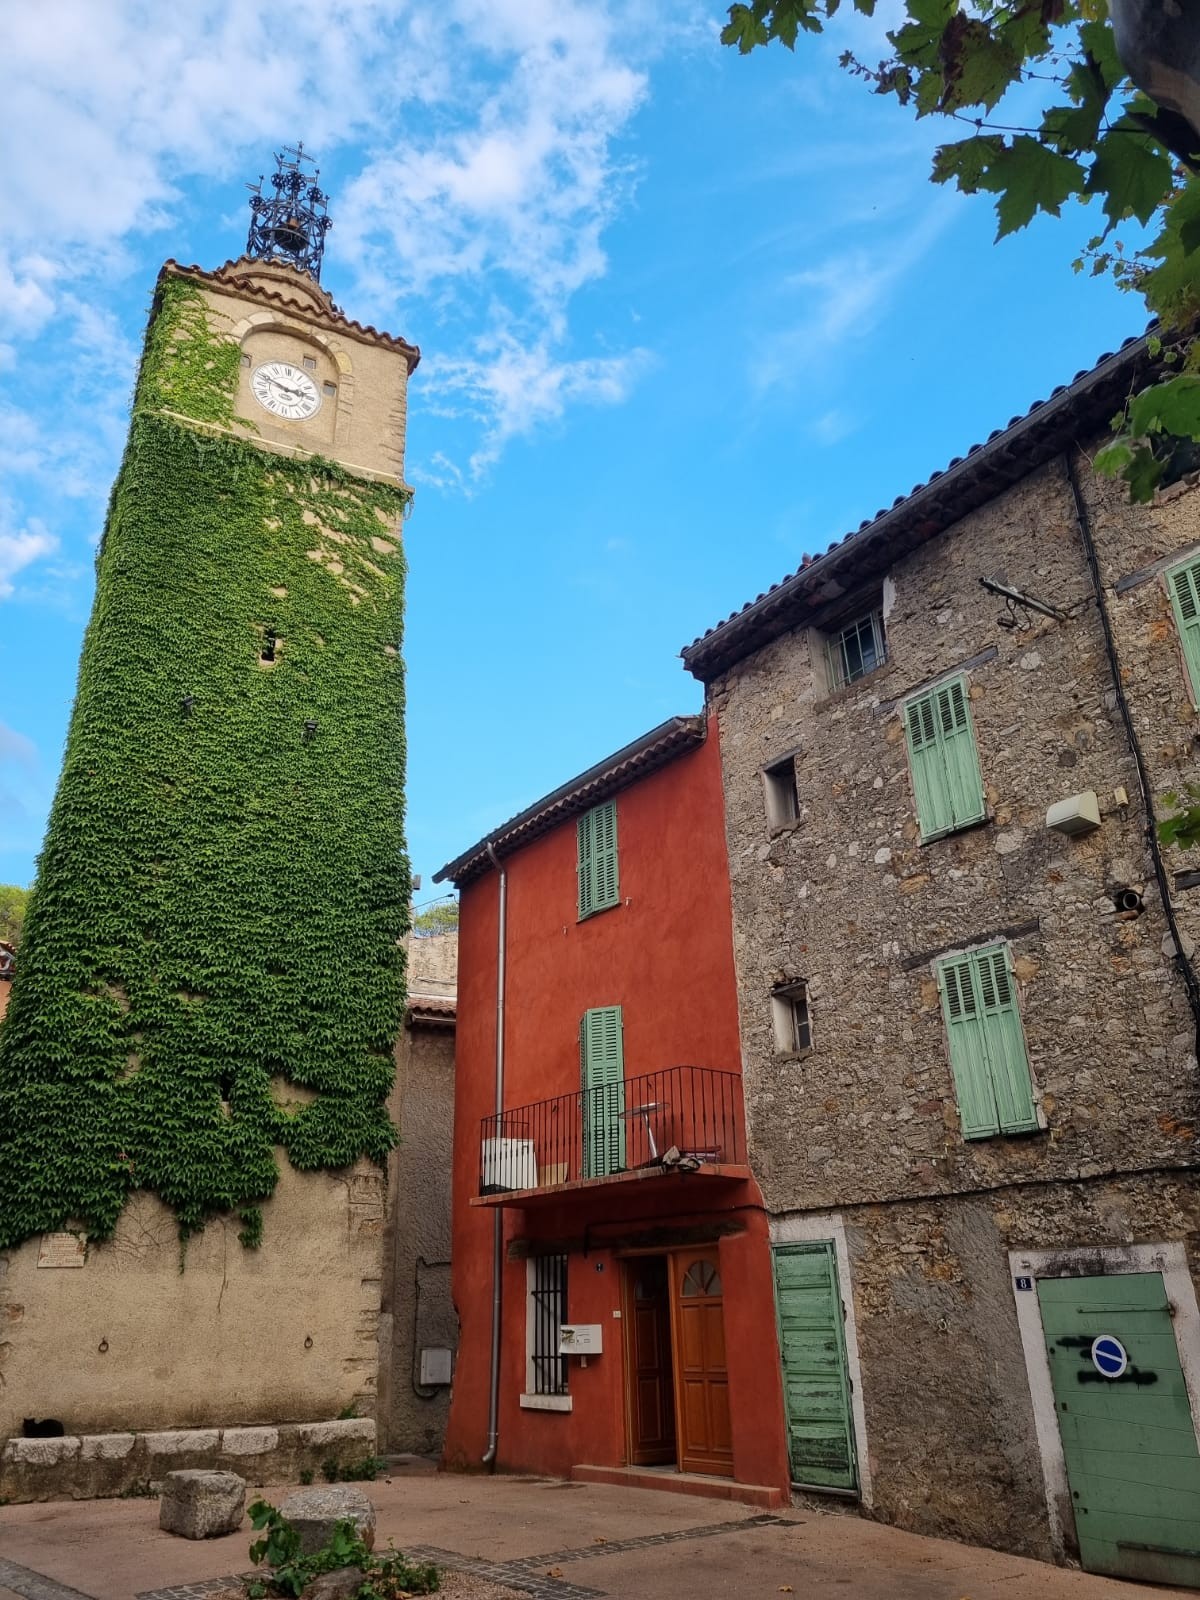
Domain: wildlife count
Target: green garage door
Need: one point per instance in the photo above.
(1126, 1425)
(816, 1386)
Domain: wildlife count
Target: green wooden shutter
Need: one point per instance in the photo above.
(968, 1050)
(596, 834)
(1008, 1062)
(604, 822)
(929, 777)
(1184, 584)
(602, 1073)
(584, 837)
(987, 1045)
(943, 758)
(816, 1384)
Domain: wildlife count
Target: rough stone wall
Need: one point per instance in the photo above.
(433, 964)
(949, 1418)
(849, 899)
(417, 1308)
(1136, 545)
(127, 1341)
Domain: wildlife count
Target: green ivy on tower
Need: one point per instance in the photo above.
(211, 965)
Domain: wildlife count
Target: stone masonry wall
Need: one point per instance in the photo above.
(849, 899)
(1136, 546)
(418, 1310)
(949, 1418)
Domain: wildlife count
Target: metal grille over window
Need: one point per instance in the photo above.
(549, 1310)
(857, 649)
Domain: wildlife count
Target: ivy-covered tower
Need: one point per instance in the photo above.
(211, 979)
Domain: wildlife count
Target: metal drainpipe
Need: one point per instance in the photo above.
(489, 1455)
(1084, 523)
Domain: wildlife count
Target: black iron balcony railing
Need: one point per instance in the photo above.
(678, 1118)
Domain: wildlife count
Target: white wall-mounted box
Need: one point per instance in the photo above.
(1080, 813)
(580, 1339)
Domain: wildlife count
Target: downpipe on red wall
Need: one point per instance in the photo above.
(489, 1455)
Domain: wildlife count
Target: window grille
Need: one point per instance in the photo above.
(548, 1308)
(857, 649)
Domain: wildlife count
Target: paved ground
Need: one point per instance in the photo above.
(552, 1540)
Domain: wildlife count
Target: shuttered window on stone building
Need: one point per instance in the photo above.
(945, 764)
(1184, 584)
(597, 861)
(987, 1044)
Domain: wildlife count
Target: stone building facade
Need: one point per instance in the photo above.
(855, 921)
(418, 1312)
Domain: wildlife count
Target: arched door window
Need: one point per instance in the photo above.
(701, 1278)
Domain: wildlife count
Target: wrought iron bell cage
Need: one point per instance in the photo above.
(290, 223)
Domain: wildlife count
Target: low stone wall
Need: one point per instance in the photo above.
(100, 1465)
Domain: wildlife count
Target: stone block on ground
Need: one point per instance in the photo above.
(315, 1513)
(343, 1584)
(202, 1505)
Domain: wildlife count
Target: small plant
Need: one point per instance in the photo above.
(348, 1413)
(306, 1476)
(387, 1577)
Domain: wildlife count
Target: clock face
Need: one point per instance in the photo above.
(286, 390)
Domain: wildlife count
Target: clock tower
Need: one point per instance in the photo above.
(196, 1060)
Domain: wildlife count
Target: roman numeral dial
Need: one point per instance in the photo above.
(284, 390)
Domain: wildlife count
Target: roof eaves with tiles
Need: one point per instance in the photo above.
(1073, 412)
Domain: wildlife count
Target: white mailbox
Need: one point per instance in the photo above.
(579, 1339)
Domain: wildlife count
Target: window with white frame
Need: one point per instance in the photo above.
(854, 648)
(790, 1019)
(546, 1311)
(783, 800)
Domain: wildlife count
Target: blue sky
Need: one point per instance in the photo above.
(684, 317)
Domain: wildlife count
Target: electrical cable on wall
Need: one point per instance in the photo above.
(1186, 970)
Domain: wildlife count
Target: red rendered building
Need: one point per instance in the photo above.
(600, 1147)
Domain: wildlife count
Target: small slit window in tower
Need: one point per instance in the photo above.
(268, 649)
(310, 363)
(245, 362)
(330, 389)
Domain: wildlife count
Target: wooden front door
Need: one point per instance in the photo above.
(648, 1362)
(1126, 1425)
(705, 1441)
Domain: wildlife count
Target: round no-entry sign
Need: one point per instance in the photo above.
(1109, 1356)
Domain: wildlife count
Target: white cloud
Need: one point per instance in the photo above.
(512, 389)
(19, 548)
(844, 298)
(489, 127)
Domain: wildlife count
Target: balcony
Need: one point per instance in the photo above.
(658, 1127)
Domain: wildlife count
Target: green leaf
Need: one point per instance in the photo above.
(1112, 460)
(1172, 406)
(1132, 176)
(1030, 178)
(967, 161)
(1100, 48)
(919, 42)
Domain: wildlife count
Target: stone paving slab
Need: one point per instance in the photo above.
(550, 1541)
